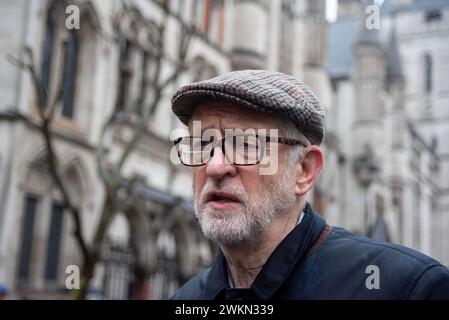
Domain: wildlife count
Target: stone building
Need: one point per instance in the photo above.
(153, 243)
(388, 123)
(384, 92)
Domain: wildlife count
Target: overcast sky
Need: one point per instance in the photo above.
(331, 10)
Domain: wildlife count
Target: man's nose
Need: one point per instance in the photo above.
(218, 166)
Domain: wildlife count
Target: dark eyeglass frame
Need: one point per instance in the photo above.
(220, 142)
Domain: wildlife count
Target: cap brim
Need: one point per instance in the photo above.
(185, 103)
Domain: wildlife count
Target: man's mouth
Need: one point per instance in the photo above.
(221, 200)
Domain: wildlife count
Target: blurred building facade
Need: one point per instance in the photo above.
(388, 123)
(384, 91)
(154, 242)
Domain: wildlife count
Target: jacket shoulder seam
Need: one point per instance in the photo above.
(428, 264)
(419, 277)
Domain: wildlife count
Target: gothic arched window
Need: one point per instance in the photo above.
(71, 64)
(208, 16)
(47, 53)
(45, 245)
(132, 62)
(26, 238)
(54, 242)
(285, 41)
(428, 73)
(70, 73)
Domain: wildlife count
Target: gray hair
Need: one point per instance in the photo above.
(289, 130)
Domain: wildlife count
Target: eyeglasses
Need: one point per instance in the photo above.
(239, 149)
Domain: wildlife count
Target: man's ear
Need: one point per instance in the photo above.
(309, 170)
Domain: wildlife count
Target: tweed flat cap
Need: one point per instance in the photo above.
(269, 92)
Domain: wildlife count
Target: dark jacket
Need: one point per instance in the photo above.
(316, 261)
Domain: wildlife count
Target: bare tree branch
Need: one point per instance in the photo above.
(53, 162)
(100, 154)
(60, 82)
(11, 114)
(57, 176)
(111, 176)
(140, 129)
(38, 87)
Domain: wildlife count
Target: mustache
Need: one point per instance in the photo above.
(235, 190)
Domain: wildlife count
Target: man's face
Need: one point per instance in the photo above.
(235, 204)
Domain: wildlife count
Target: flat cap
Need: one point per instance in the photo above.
(269, 92)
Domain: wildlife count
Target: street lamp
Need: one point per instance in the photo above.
(366, 169)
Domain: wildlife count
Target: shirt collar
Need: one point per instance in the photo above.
(278, 266)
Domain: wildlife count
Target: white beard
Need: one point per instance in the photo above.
(252, 216)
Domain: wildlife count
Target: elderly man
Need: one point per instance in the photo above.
(272, 244)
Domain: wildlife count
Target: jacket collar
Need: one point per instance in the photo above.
(278, 266)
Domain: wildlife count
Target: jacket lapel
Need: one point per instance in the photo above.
(288, 253)
(279, 265)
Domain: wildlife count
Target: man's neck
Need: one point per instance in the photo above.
(245, 260)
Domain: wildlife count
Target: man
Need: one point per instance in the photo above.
(272, 244)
